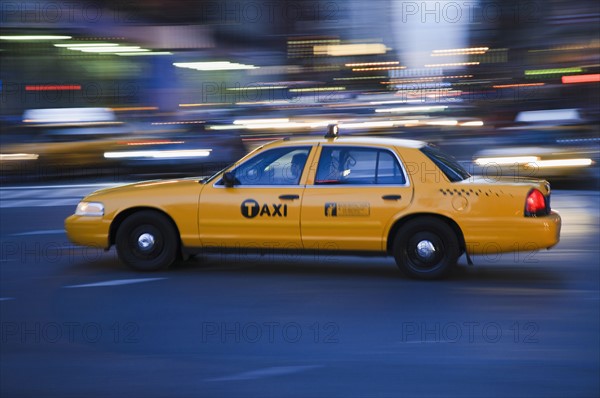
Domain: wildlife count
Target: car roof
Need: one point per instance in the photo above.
(341, 140)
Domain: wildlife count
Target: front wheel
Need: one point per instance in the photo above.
(426, 248)
(147, 241)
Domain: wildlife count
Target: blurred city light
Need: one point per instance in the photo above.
(344, 50)
(156, 154)
(150, 53)
(34, 37)
(108, 49)
(410, 109)
(534, 161)
(518, 81)
(211, 66)
(84, 45)
(68, 115)
(507, 160)
(19, 156)
(554, 71)
(460, 51)
(595, 78)
(562, 163)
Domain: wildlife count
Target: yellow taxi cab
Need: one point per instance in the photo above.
(363, 195)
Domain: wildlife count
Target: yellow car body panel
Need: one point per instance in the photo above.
(178, 199)
(488, 215)
(276, 224)
(363, 216)
(489, 211)
(88, 231)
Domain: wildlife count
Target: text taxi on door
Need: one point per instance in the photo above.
(363, 195)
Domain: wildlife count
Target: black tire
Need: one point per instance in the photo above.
(439, 248)
(153, 230)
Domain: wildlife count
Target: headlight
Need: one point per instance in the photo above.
(18, 156)
(90, 209)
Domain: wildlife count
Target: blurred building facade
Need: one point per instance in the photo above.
(529, 47)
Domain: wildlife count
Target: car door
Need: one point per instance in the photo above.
(262, 208)
(353, 198)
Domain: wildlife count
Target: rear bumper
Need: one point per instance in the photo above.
(519, 234)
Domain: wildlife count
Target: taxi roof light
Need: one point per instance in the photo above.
(332, 131)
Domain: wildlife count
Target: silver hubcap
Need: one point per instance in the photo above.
(146, 241)
(425, 249)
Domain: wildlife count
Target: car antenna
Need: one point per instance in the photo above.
(332, 131)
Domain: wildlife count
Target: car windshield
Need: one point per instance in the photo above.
(215, 175)
(208, 179)
(449, 166)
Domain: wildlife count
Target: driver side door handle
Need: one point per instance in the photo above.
(289, 197)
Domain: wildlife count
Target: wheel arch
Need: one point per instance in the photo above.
(447, 220)
(121, 216)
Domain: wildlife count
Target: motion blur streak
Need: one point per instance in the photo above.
(99, 94)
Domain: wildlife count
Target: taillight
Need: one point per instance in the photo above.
(535, 204)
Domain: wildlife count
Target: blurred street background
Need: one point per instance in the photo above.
(96, 94)
(115, 91)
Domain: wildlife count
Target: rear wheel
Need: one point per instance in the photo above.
(426, 248)
(147, 241)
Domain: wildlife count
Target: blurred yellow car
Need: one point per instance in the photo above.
(333, 194)
(60, 142)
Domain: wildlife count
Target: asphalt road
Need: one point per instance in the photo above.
(75, 322)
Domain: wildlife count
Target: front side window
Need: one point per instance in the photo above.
(278, 166)
(359, 166)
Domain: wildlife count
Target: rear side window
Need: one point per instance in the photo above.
(446, 163)
(359, 166)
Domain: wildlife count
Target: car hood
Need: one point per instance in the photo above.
(145, 186)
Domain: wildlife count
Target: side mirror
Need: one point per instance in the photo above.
(228, 179)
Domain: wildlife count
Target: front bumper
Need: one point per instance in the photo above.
(88, 231)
